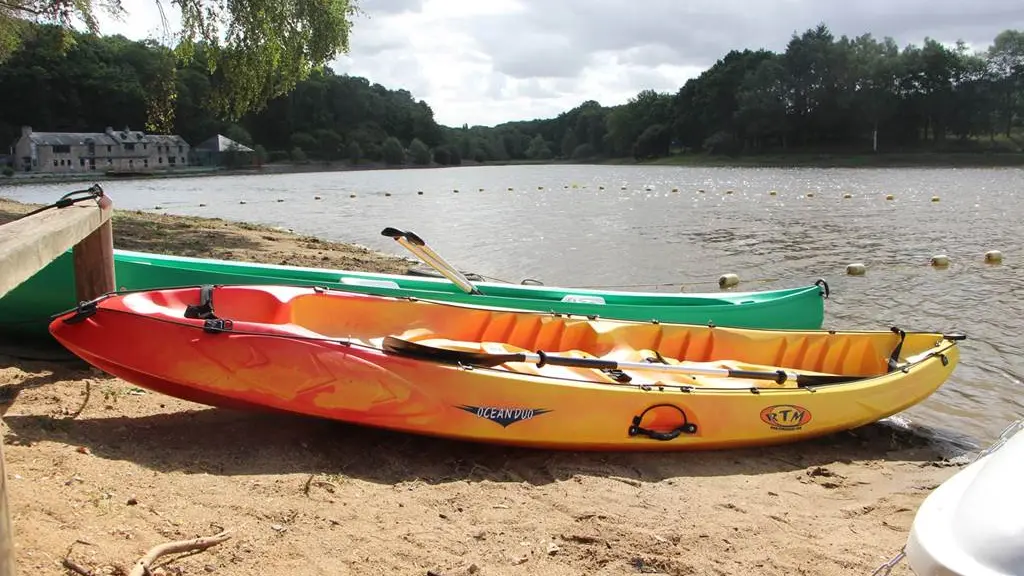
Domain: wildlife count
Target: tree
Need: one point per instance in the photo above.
(569, 143)
(256, 50)
(419, 151)
(355, 152)
(392, 151)
(1006, 63)
(329, 143)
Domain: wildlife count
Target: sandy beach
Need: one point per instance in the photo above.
(99, 471)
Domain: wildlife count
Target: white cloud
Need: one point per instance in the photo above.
(491, 61)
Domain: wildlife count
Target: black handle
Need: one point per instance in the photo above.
(576, 362)
(412, 237)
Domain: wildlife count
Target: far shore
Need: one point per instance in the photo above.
(794, 160)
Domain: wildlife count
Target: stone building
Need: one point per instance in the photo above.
(117, 151)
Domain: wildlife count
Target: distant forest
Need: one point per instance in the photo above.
(849, 95)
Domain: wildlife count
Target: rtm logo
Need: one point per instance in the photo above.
(785, 416)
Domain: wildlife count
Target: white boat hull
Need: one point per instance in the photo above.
(973, 523)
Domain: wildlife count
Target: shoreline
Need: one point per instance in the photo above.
(895, 160)
(92, 458)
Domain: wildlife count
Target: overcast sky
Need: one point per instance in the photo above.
(491, 61)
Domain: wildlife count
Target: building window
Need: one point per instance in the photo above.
(129, 146)
(108, 148)
(54, 161)
(182, 159)
(144, 146)
(179, 149)
(160, 160)
(61, 148)
(145, 162)
(81, 161)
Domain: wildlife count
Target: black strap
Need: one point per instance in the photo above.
(895, 356)
(90, 193)
(635, 428)
(203, 310)
(824, 285)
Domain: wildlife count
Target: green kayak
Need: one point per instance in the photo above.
(25, 311)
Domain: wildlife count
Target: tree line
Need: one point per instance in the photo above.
(821, 93)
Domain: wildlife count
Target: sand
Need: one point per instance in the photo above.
(99, 471)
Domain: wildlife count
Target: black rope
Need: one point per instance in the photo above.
(91, 193)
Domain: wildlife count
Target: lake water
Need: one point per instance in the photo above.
(556, 224)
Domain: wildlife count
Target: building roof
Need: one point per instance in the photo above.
(221, 143)
(112, 137)
(70, 138)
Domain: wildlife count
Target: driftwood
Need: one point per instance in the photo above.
(141, 568)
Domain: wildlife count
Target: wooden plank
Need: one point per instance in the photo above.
(94, 263)
(7, 567)
(29, 244)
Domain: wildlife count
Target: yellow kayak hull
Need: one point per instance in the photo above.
(323, 353)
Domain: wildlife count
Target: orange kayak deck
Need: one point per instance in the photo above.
(661, 386)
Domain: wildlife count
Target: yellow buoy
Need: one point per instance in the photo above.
(856, 269)
(993, 256)
(847, 196)
(890, 197)
(940, 261)
(728, 280)
(935, 198)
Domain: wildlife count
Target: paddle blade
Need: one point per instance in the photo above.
(394, 345)
(412, 237)
(803, 380)
(392, 232)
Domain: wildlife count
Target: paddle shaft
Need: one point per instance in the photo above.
(405, 347)
(435, 261)
(542, 358)
(463, 282)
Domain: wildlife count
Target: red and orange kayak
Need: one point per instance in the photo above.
(503, 376)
